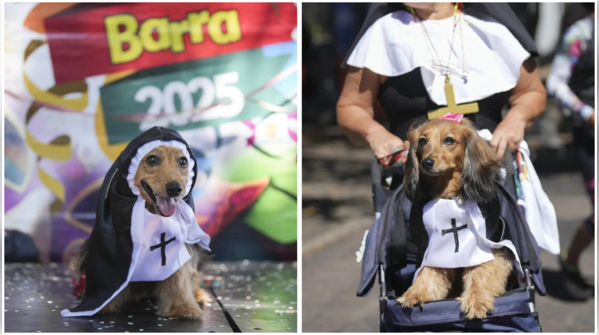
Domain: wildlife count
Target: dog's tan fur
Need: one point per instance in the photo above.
(158, 176)
(482, 283)
(179, 295)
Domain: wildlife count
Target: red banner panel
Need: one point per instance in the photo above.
(120, 37)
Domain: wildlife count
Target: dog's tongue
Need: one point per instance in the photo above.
(167, 205)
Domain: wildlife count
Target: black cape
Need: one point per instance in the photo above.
(110, 246)
(500, 12)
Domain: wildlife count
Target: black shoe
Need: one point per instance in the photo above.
(574, 284)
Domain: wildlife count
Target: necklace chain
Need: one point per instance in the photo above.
(431, 47)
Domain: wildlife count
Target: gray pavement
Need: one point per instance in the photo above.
(338, 209)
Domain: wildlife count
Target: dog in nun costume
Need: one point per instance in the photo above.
(451, 176)
(145, 242)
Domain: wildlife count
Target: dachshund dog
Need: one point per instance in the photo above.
(449, 160)
(161, 180)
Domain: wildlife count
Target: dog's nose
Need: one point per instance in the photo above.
(428, 163)
(173, 189)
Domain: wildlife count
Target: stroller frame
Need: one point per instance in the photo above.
(378, 192)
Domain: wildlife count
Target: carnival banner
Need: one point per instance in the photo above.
(82, 80)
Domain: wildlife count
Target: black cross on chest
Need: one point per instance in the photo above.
(454, 230)
(162, 245)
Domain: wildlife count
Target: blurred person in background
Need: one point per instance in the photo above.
(404, 54)
(572, 83)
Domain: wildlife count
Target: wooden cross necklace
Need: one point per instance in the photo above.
(452, 106)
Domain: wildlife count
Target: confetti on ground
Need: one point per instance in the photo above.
(245, 290)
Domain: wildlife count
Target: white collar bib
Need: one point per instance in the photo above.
(145, 149)
(457, 235)
(159, 242)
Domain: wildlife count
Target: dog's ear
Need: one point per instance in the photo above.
(411, 179)
(481, 169)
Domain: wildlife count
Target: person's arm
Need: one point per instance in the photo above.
(561, 70)
(355, 113)
(527, 101)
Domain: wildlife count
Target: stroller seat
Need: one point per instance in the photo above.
(390, 254)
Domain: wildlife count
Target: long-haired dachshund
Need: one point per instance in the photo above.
(449, 160)
(161, 180)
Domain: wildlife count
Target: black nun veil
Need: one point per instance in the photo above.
(110, 246)
(499, 12)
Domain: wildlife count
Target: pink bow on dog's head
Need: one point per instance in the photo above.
(452, 117)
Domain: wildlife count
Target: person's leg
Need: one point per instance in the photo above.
(579, 243)
(574, 283)
(586, 231)
(575, 286)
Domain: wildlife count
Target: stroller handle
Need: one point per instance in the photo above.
(376, 172)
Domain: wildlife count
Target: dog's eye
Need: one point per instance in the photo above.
(182, 162)
(422, 141)
(449, 140)
(152, 160)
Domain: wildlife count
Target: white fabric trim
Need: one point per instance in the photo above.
(360, 252)
(145, 149)
(395, 44)
(538, 209)
(474, 247)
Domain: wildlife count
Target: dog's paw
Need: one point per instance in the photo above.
(110, 308)
(185, 311)
(202, 297)
(412, 298)
(476, 305)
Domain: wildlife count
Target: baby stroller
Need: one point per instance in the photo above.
(389, 252)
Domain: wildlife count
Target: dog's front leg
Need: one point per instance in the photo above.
(176, 294)
(482, 283)
(431, 284)
(114, 306)
(202, 297)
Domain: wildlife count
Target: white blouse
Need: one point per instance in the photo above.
(397, 44)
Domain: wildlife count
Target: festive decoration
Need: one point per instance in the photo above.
(77, 91)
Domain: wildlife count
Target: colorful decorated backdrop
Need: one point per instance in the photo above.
(81, 80)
